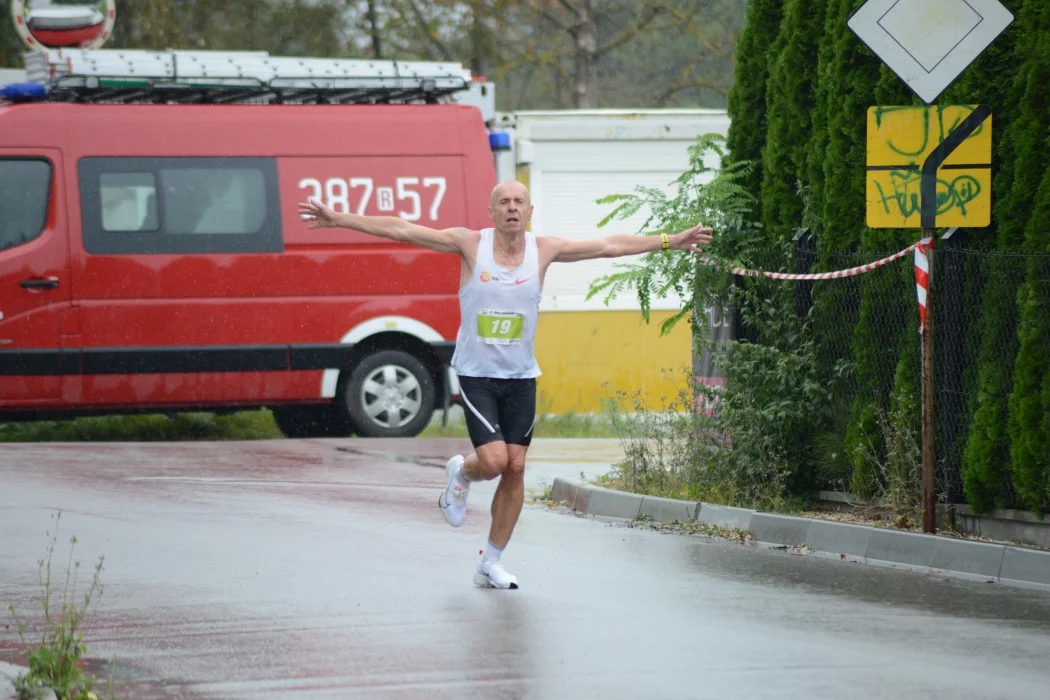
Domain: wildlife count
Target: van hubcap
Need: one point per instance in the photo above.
(391, 396)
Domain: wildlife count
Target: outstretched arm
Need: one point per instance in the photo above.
(618, 246)
(390, 227)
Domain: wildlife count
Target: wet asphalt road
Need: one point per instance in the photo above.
(323, 569)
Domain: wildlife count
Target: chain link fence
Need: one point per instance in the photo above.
(870, 323)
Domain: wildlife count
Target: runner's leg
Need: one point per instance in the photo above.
(509, 497)
(517, 417)
(481, 399)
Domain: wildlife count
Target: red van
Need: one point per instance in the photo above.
(151, 258)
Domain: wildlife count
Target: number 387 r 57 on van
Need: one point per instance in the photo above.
(152, 259)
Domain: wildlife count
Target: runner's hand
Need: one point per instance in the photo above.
(691, 239)
(319, 214)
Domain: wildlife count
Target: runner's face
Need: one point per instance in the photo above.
(510, 208)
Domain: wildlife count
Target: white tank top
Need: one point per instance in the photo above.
(498, 312)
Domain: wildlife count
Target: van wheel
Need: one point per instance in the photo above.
(389, 394)
(311, 421)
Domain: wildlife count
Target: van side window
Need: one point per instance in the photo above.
(25, 189)
(129, 202)
(180, 205)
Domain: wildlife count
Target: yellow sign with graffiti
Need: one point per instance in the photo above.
(929, 167)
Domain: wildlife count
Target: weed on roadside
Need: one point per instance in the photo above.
(565, 425)
(56, 662)
(242, 425)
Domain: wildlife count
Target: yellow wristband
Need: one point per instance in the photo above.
(666, 244)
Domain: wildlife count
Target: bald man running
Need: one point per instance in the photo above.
(501, 281)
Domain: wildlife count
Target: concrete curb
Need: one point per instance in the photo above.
(9, 673)
(871, 545)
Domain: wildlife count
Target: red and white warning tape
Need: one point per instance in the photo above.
(837, 274)
(922, 272)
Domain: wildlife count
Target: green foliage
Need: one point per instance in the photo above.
(823, 102)
(790, 106)
(1022, 163)
(658, 445)
(753, 447)
(242, 425)
(1029, 403)
(852, 75)
(847, 75)
(887, 453)
(800, 101)
(776, 394)
(703, 194)
(902, 435)
(986, 458)
(746, 101)
(548, 425)
(55, 662)
(1025, 111)
(863, 438)
(755, 444)
(282, 27)
(528, 48)
(10, 45)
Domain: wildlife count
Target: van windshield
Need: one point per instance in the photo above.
(24, 188)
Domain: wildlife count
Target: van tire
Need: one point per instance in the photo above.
(322, 421)
(411, 395)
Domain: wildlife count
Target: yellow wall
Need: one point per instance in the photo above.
(579, 351)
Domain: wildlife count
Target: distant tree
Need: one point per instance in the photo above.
(10, 46)
(281, 27)
(988, 348)
(580, 21)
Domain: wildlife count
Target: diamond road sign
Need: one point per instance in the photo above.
(928, 43)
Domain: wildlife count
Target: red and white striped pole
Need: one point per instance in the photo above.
(922, 276)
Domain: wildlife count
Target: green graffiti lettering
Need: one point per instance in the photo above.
(905, 193)
(957, 193)
(944, 131)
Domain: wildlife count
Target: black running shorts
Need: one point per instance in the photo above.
(499, 409)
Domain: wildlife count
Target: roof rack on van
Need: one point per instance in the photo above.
(226, 77)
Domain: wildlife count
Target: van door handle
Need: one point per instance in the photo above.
(40, 283)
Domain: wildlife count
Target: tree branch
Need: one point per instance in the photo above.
(550, 17)
(686, 18)
(428, 31)
(720, 88)
(565, 3)
(627, 34)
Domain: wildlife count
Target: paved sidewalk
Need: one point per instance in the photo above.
(962, 558)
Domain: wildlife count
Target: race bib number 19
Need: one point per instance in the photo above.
(500, 327)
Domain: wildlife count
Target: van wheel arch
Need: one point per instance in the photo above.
(416, 356)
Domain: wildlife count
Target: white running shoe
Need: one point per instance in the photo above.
(491, 575)
(453, 500)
